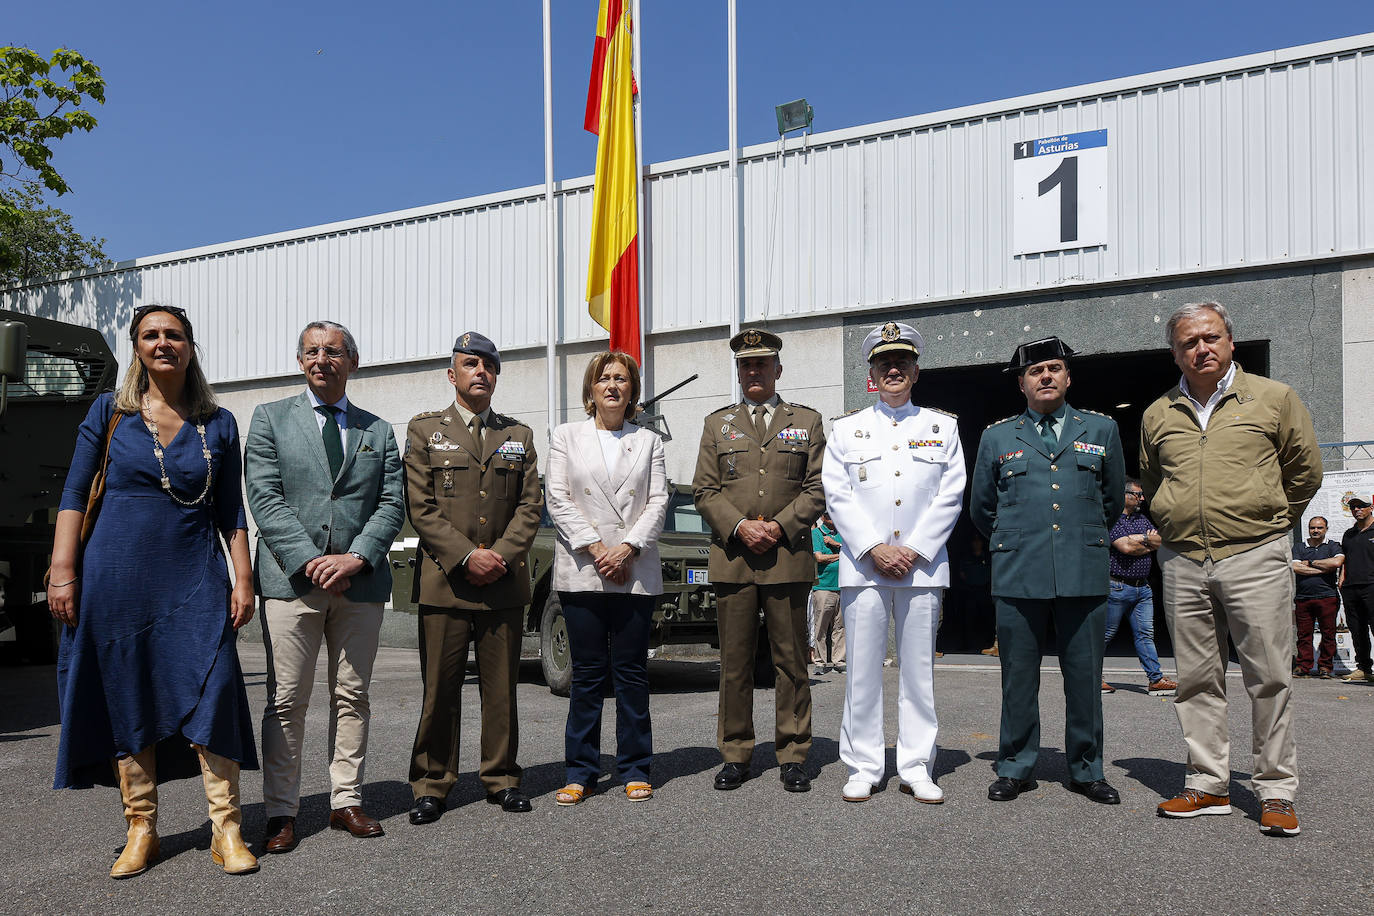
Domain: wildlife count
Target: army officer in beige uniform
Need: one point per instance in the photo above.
(472, 488)
(758, 485)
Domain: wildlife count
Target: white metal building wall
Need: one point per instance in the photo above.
(1263, 159)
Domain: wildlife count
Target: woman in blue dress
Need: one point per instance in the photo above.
(148, 673)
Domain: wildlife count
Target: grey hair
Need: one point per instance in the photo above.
(350, 344)
(1192, 310)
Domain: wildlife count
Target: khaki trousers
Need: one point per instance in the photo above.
(828, 635)
(784, 616)
(292, 632)
(445, 634)
(1249, 595)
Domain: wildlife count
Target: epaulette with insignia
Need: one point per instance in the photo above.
(427, 414)
(1001, 421)
(952, 416)
(847, 413)
(1093, 412)
(734, 406)
(802, 406)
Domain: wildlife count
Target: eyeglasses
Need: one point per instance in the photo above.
(331, 353)
(1136, 493)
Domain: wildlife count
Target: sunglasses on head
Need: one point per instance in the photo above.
(144, 310)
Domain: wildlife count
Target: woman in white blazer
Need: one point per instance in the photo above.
(606, 489)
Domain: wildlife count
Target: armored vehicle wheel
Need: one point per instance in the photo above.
(554, 655)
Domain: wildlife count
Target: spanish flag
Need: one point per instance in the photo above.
(613, 263)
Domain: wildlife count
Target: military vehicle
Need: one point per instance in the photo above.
(684, 615)
(50, 373)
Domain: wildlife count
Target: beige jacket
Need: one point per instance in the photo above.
(589, 505)
(1242, 482)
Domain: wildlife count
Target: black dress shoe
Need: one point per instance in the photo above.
(1097, 790)
(427, 809)
(794, 778)
(511, 799)
(1006, 788)
(732, 776)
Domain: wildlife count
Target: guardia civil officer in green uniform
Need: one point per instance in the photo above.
(1047, 485)
(758, 485)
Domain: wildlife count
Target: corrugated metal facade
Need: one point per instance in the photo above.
(1263, 159)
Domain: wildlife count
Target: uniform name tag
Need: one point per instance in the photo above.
(794, 434)
(1010, 455)
(925, 443)
(1088, 448)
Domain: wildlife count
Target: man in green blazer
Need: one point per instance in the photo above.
(1047, 484)
(325, 487)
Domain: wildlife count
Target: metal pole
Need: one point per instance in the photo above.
(550, 229)
(736, 277)
(642, 235)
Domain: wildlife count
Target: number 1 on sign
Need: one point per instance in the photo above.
(1066, 179)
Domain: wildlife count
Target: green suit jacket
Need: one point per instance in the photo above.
(1046, 515)
(301, 513)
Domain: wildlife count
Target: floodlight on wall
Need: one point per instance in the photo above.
(794, 116)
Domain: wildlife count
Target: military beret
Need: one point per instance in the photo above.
(478, 345)
(755, 342)
(1038, 351)
(892, 337)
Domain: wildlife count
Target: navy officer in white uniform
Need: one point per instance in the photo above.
(894, 481)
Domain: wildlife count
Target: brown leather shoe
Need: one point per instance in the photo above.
(356, 821)
(280, 835)
(1192, 803)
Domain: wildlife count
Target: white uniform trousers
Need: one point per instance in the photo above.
(917, 614)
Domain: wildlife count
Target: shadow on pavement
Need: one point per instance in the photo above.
(30, 693)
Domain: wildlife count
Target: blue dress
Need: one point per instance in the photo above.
(152, 659)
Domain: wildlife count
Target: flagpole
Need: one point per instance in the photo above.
(638, 32)
(735, 275)
(550, 230)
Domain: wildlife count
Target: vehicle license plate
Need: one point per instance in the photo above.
(697, 577)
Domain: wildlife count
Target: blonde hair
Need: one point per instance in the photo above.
(597, 366)
(197, 396)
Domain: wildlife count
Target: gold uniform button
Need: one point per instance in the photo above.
(896, 534)
(445, 461)
(760, 492)
(899, 502)
(1054, 467)
(894, 448)
(482, 494)
(896, 473)
(587, 490)
(762, 471)
(1054, 486)
(1055, 527)
(1056, 507)
(894, 422)
(481, 519)
(1009, 473)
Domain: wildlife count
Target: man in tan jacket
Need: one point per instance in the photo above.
(1229, 461)
(472, 488)
(758, 485)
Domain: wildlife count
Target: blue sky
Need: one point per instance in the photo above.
(232, 120)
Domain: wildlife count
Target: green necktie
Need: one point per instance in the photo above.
(333, 440)
(477, 426)
(1047, 433)
(761, 422)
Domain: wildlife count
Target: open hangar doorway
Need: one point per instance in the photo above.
(1120, 385)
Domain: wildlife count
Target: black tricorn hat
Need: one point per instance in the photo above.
(1037, 351)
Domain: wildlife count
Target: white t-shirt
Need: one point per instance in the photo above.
(610, 447)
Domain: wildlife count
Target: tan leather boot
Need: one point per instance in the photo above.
(138, 787)
(227, 848)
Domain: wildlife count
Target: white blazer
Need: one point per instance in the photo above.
(589, 505)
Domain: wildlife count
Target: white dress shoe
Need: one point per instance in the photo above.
(923, 788)
(857, 790)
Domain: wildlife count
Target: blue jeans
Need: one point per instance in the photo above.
(608, 636)
(1140, 601)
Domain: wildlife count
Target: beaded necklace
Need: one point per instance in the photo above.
(157, 450)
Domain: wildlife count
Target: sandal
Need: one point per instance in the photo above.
(569, 795)
(638, 791)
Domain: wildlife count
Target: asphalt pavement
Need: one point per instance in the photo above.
(696, 850)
